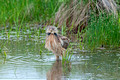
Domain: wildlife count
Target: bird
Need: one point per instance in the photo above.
(55, 42)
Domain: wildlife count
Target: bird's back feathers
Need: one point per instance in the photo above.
(64, 41)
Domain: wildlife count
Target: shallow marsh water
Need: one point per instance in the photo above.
(28, 59)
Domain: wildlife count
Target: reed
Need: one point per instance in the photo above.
(76, 13)
(103, 30)
(18, 15)
(18, 12)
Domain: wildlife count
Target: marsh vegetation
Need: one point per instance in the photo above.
(93, 27)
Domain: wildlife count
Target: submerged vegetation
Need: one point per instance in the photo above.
(98, 24)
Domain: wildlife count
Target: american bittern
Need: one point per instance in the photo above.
(55, 42)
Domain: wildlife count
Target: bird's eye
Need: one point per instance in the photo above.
(55, 34)
(48, 33)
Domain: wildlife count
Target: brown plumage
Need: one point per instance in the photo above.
(55, 42)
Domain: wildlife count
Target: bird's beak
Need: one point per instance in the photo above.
(52, 32)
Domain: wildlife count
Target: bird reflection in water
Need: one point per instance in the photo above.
(59, 71)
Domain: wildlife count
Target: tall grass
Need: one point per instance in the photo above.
(20, 14)
(102, 30)
(22, 11)
(75, 13)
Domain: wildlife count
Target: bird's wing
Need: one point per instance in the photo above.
(64, 41)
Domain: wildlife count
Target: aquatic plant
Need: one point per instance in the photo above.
(74, 14)
(22, 11)
(21, 16)
(68, 55)
(103, 30)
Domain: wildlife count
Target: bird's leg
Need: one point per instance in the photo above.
(57, 57)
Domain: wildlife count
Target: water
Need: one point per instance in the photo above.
(28, 59)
